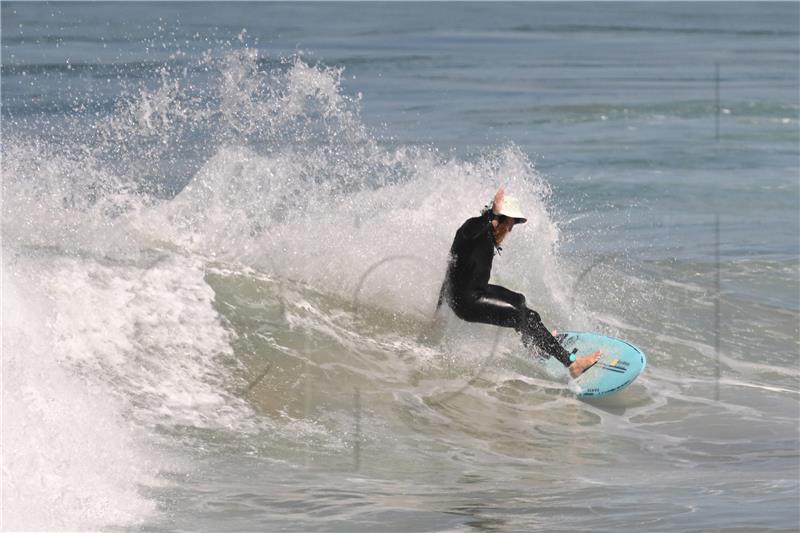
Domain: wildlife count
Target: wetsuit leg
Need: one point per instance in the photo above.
(496, 305)
(536, 333)
(502, 307)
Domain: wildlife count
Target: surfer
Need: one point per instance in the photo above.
(467, 290)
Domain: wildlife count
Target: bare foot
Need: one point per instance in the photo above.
(583, 363)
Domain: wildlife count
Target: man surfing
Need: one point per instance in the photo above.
(467, 290)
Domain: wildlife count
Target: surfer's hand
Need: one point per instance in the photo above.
(583, 363)
(497, 204)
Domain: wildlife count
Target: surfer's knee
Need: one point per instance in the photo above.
(517, 300)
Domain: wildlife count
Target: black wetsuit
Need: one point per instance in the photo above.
(467, 290)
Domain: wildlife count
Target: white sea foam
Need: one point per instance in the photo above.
(295, 177)
(96, 355)
(71, 459)
(299, 179)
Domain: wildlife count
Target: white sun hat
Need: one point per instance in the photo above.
(511, 209)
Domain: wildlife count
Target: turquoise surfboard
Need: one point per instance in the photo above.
(620, 364)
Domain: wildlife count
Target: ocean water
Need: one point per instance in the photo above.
(224, 227)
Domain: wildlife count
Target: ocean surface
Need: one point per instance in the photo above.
(224, 227)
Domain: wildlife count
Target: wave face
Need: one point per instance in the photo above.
(218, 284)
(112, 295)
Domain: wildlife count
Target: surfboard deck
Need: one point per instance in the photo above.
(620, 364)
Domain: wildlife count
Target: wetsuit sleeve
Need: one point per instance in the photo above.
(468, 239)
(475, 227)
(469, 232)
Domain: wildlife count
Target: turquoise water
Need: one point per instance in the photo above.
(225, 225)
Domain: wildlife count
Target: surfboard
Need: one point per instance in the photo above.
(620, 364)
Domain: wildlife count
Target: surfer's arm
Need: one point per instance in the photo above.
(499, 197)
(475, 227)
